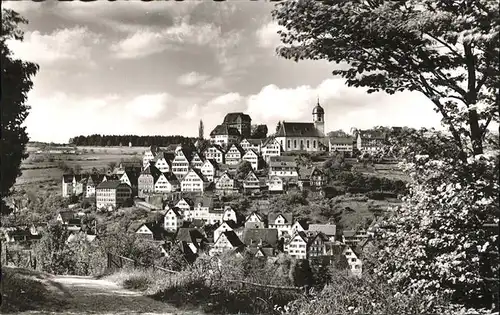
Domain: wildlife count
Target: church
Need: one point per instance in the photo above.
(304, 136)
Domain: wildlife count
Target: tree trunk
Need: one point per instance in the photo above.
(475, 133)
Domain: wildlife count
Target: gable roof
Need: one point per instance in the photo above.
(212, 162)
(327, 229)
(254, 225)
(233, 239)
(297, 129)
(189, 235)
(110, 184)
(233, 225)
(187, 200)
(168, 156)
(197, 172)
(66, 215)
(255, 236)
(170, 177)
(215, 146)
(224, 130)
(313, 237)
(231, 118)
(259, 216)
(251, 151)
(176, 211)
(238, 147)
(68, 178)
(372, 134)
(273, 216)
(252, 174)
(288, 161)
(255, 141)
(342, 140)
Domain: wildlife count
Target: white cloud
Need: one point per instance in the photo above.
(146, 42)
(226, 100)
(150, 105)
(61, 45)
(267, 35)
(192, 78)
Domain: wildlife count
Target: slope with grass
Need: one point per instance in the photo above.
(29, 292)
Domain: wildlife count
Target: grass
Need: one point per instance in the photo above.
(25, 290)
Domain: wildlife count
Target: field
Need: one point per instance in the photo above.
(42, 165)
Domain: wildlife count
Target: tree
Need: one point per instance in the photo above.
(447, 51)
(201, 132)
(244, 167)
(278, 126)
(17, 76)
(259, 131)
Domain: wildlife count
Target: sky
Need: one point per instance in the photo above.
(157, 68)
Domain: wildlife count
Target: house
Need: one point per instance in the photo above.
(239, 121)
(163, 161)
(255, 217)
(226, 184)
(251, 144)
(147, 179)
(275, 184)
(312, 178)
(196, 160)
(130, 178)
(329, 230)
(234, 155)
(173, 219)
(185, 204)
(72, 185)
(182, 161)
(254, 225)
(224, 136)
(316, 246)
(271, 147)
(149, 155)
(370, 141)
(81, 237)
(191, 239)
(215, 152)
(64, 216)
(74, 225)
(341, 144)
(353, 258)
(92, 181)
(229, 214)
(224, 227)
(151, 231)
(251, 183)
(166, 183)
(194, 181)
(112, 194)
(303, 136)
(297, 227)
(227, 241)
(353, 237)
(261, 252)
(204, 210)
(282, 222)
(296, 247)
(208, 169)
(261, 238)
(253, 158)
(284, 167)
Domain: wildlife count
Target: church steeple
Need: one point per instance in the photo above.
(319, 118)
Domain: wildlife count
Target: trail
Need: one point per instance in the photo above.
(86, 295)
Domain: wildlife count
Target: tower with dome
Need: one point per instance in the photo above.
(304, 136)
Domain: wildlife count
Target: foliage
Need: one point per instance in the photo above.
(443, 218)
(137, 141)
(201, 130)
(244, 167)
(131, 246)
(259, 131)
(174, 260)
(17, 78)
(447, 51)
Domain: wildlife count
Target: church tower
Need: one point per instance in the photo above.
(319, 118)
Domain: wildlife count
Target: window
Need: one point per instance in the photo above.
(314, 144)
(295, 143)
(307, 144)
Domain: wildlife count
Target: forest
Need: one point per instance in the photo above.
(124, 140)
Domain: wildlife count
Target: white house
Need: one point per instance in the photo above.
(282, 222)
(226, 184)
(254, 217)
(166, 183)
(173, 219)
(181, 163)
(216, 153)
(204, 210)
(234, 154)
(227, 241)
(341, 144)
(297, 227)
(296, 247)
(252, 157)
(284, 167)
(275, 184)
(229, 214)
(208, 169)
(251, 144)
(224, 227)
(196, 161)
(149, 156)
(185, 204)
(162, 162)
(194, 181)
(270, 148)
(224, 135)
(354, 261)
(251, 182)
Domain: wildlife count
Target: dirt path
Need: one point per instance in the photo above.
(85, 295)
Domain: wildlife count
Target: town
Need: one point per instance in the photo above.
(186, 185)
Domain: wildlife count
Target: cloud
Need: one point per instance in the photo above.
(149, 106)
(146, 42)
(192, 78)
(61, 45)
(226, 100)
(267, 35)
